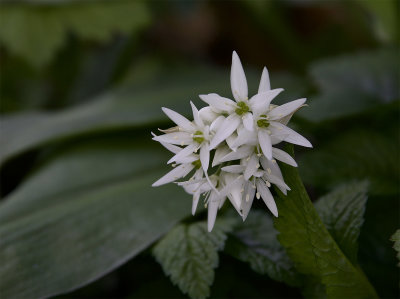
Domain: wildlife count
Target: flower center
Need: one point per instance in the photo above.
(198, 136)
(242, 108)
(263, 122)
(197, 164)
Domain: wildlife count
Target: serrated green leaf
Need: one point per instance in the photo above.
(189, 254)
(311, 247)
(353, 83)
(255, 242)
(342, 212)
(355, 155)
(396, 239)
(82, 214)
(36, 32)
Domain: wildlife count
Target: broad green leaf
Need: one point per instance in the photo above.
(255, 242)
(131, 105)
(188, 254)
(127, 106)
(396, 239)
(342, 212)
(84, 213)
(311, 247)
(356, 155)
(352, 84)
(37, 32)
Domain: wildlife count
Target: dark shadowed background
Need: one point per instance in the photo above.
(82, 84)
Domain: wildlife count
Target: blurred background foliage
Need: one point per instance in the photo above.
(82, 84)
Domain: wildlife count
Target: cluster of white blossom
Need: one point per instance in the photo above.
(239, 137)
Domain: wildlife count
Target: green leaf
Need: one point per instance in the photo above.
(125, 107)
(36, 32)
(342, 212)
(355, 155)
(81, 215)
(134, 104)
(311, 247)
(255, 243)
(353, 83)
(396, 239)
(188, 254)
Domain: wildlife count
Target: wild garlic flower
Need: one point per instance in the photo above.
(240, 135)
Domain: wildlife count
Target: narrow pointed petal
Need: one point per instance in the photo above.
(180, 120)
(176, 173)
(248, 121)
(220, 153)
(196, 197)
(259, 103)
(238, 79)
(207, 114)
(196, 116)
(172, 148)
(265, 84)
(204, 156)
(183, 153)
(241, 152)
(270, 166)
(283, 156)
(217, 123)
(265, 143)
(180, 138)
(212, 211)
(291, 136)
(247, 199)
(276, 181)
(267, 197)
(229, 125)
(285, 109)
(218, 103)
(233, 168)
(251, 167)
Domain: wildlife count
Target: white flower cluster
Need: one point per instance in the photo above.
(238, 136)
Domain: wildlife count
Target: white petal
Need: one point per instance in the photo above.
(264, 82)
(172, 148)
(181, 138)
(273, 166)
(233, 168)
(267, 197)
(241, 152)
(217, 123)
(220, 153)
(248, 121)
(245, 137)
(204, 156)
(196, 116)
(183, 153)
(251, 167)
(188, 159)
(196, 197)
(176, 173)
(276, 181)
(212, 210)
(218, 103)
(265, 143)
(283, 156)
(259, 103)
(180, 120)
(231, 140)
(285, 109)
(247, 199)
(238, 79)
(229, 125)
(291, 136)
(207, 114)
